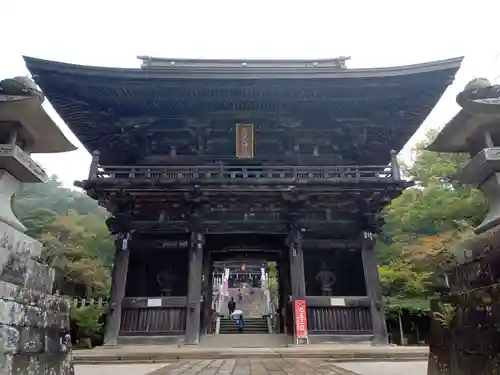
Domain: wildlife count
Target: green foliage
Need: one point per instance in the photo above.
(88, 321)
(273, 280)
(53, 197)
(445, 315)
(72, 228)
(415, 306)
(401, 279)
(425, 226)
(68, 248)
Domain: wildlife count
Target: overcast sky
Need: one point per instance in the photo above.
(373, 32)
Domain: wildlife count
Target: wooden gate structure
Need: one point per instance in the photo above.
(195, 156)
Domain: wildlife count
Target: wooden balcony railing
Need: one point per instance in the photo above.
(252, 174)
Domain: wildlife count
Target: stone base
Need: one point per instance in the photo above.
(34, 325)
(151, 340)
(340, 339)
(331, 352)
(464, 331)
(60, 364)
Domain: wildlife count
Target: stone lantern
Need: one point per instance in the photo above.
(468, 342)
(34, 324)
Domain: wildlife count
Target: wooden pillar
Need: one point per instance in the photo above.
(207, 294)
(94, 165)
(297, 277)
(194, 289)
(117, 292)
(373, 288)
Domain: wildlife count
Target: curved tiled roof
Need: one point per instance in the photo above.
(95, 101)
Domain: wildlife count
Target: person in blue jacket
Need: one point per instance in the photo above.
(240, 323)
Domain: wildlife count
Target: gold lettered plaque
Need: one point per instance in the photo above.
(244, 141)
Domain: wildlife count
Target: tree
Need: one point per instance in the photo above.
(66, 249)
(72, 228)
(424, 226)
(273, 280)
(400, 278)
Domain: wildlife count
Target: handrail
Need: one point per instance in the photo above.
(245, 173)
(268, 308)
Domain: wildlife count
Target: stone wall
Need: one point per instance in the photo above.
(34, 324)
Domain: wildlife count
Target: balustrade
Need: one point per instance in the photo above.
(246, 173)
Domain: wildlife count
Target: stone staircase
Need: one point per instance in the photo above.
(252, 305)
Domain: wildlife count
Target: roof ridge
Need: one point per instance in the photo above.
(203, 70)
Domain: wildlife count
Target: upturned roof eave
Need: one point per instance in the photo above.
(47, 136)
(450, 138)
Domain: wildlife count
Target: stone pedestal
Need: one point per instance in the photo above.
(34, 324)
(466, 317)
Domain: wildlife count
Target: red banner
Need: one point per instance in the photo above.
(301, 319)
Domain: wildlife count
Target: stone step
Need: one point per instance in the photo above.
(252, 325)
(247, 325)
(256, 340)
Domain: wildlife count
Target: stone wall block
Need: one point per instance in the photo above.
(39, 277)
(32, 340)
(12, 313)
(58, 321)
(9, 291)
(35, 316)
(6, 364)
(60, 364)
(12, 292)
(18, 242)
(13, 268)
(9, 339)
(16, 249)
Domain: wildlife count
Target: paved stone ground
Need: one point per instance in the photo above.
(118, 369)
(287, 367)
(386, 368)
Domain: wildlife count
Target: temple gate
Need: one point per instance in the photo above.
(292, 159)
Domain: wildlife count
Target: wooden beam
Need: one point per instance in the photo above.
(242, 227)
(144, 241)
